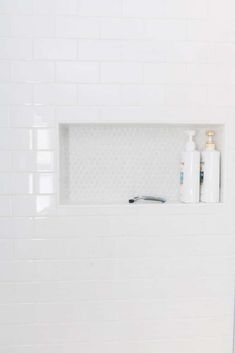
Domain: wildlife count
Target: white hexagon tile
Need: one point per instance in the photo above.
(106, 164)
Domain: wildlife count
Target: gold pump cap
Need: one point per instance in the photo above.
(210, 145)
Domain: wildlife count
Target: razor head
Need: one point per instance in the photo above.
(148, 198)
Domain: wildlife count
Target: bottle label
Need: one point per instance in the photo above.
(181, 173)
(181, 178)
(201, 172)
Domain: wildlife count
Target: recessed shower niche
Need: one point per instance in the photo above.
(111, 163)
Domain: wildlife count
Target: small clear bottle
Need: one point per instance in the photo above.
(210, 171)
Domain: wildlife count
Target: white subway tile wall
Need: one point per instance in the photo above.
(92, 282)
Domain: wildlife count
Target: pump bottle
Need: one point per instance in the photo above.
(210, 171)
(190, 171)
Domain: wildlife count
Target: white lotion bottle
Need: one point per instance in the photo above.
(210, 171)
(190, 171)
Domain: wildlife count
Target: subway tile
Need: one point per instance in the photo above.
(44, 183)
(166, 29)
(5, 161)
(16, 271)
(165, 73)
(150, 8)
(77, 114)
(221, 52)
(17, 292)
(5, 26)
(172, 224)
(16, 48)
(21, 183)
(139, 267)
(30, 334)
(20, 338)
(221, 96)
(32, 71)
(94, 50)
(55, 94)
(23, 161)
(80, 72)
(45, 161)
(212, 343)
(4, 121)
(143, 95)
(131, 268)
(145, 50)
(98, 95)
(21, 227)
(88, 269)
(32, 116)
(6, 253)
(187, 52)
(58, 7)
(211, 74)
(199, 74)
(218, 30)
(16, 7)
(24, 206)
(201, 29)
(66, 7)
(4, 71)
(27, 161)
(17, 314)
(5, 183)
(125, 113)
(121, 73)
(77, 27)
(5, 206)
(69, 312)
(166, 308)
(44, 7)
(27, 206)
(12, 93)
(65, 249)
(74, 292)
(85, 226)
(229, 192)
(186, 9)
(45, 205)
(13, 139)
(186, 95)
(199, 225)
(102, 8)
(44, 139)
(21, 139)
(55, 49)
(33, 26)
(121, 28)
(218, 12)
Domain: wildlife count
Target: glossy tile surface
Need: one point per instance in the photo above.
(111, 280)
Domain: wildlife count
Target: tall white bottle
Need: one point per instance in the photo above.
(210, 171)
(190, 171)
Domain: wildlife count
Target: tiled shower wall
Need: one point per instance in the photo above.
(101, 281)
